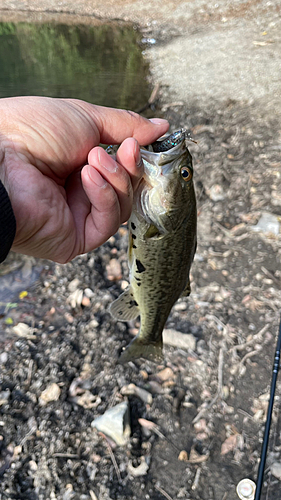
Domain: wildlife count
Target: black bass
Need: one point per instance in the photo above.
(162, 244)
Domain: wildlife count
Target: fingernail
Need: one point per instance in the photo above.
(96, 177)
(107, 162)
(158, 121)
(139, 162)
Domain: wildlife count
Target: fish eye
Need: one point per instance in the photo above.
(186, 173)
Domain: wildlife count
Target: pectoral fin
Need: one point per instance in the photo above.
(125, 308)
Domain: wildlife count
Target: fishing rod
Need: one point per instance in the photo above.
(247, 489)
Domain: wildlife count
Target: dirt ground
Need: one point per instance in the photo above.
(208, 402)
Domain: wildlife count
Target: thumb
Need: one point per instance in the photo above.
(115, 125)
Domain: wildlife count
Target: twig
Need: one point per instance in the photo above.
(219, 390)
(65, 455)
(249, 355)
(256, 337)
(29, 373)
(166, 495)
(151, 99)
(93, 495)
(270, 275)
(196, 479)
(114, 463)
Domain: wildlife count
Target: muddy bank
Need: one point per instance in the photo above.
(208, 402)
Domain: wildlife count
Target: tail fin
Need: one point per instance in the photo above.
(141, 349)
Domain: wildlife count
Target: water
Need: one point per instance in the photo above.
(101, 64)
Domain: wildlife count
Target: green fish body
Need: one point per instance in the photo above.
(162, 243)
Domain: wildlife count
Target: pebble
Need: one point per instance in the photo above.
(183, 456)
(51, 393)
(133, 390)
(178, 339)
(216, 193)
(268, 223)
(73, 285)
(276, 470)
(115, 423)
(3, 358)
(141, 470)
(114, 271)
(23, 330)
(165, 374)
(75, 298)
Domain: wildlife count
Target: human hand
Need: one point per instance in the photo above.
(69, 196)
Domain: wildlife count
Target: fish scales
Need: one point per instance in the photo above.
(162, 243)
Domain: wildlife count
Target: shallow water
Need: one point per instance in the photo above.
(101, 64)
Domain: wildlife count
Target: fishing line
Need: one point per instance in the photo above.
(247, 489)
(275, 370)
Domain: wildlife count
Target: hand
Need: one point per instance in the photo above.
(68, 196)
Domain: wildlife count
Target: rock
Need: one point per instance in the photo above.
(86, 301)
(178, 339)
(4, 396)
(114, 271)
(115, 423)
(216, 193)
(276, 470)
(51, 393)
(75, 298)
(165, 374)
(268, 223)
(73, 285)
(183, 456)
(141, 470)
(134, 390)
(23, 330)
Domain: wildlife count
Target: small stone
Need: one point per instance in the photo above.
(115, 423)
(23, 330)
(179, 339)
(216, 193)
(3, 358)
(73, 285)
(183, 456)
(133, 390)
(114, 271)
(165, 374)
(89, 293)
(75, 298)
(69, 318)
(276, 470)
(268, 223)
(32, 466)
(141, 470)
(51, 393)
(86, 301)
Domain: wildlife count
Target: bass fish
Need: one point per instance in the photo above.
(162, 244)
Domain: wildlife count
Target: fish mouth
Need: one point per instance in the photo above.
(162, 162)
(169, 142)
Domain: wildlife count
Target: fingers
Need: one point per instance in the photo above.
(123, 173)
(115, 125)
(109, 183)
(104, 217)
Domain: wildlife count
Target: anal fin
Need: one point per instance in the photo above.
(125, 308)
